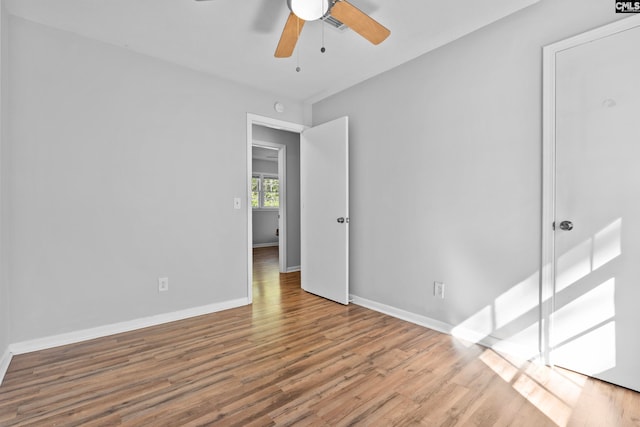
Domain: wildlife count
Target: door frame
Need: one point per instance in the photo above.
(548, 263)
(254, 119)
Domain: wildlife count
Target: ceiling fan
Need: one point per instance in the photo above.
(313, 10)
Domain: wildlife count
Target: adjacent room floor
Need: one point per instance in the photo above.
(296, 359)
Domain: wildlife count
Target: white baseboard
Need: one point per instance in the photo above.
(265, 245)
(116, 328)
(293, 269)
(425, 321)
(4, 364)
(467, 335)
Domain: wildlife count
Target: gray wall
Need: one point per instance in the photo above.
(265, 222)
(123, 169)
(446, 172)
(292, 142)
(4, 289)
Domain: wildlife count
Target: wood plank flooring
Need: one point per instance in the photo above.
(296, 359)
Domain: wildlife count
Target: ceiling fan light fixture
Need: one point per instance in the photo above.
(309, 10)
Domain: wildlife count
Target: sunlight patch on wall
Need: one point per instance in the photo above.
(507, 308)
(573, 265)
(607, 244)
(592, 353)
(524, 343)
(584, 331)
(476, 327)
(584, 312)
(590, 255)
(518, 300)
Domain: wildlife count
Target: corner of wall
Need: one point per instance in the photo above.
(4, 292)
(307, 113)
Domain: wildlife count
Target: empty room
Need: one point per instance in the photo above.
(327, 213)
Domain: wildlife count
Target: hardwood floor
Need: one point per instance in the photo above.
(295, 359)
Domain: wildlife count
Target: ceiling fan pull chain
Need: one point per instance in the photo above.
(322, 49)
(298, 50)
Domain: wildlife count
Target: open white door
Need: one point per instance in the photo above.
(324, 215)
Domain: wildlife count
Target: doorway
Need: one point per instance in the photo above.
(269, 198)
(261, 131)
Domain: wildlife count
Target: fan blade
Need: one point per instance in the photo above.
(289, 36)
(359, 22)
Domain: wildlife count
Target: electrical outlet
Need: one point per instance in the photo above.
(438, 289)
(163, 284)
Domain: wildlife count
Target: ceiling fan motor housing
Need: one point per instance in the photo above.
(309, 10)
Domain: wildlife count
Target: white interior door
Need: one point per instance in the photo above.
(324, 214)
(597, 235)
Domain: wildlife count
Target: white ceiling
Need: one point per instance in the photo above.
(236, 39)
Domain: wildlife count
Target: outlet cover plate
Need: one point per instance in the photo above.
(438, 289)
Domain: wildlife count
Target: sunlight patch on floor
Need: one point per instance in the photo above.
(548, 403)
(552, 392)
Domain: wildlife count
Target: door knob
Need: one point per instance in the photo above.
(566, 225)
(341, 220)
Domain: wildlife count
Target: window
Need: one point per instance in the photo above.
(265, 191)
